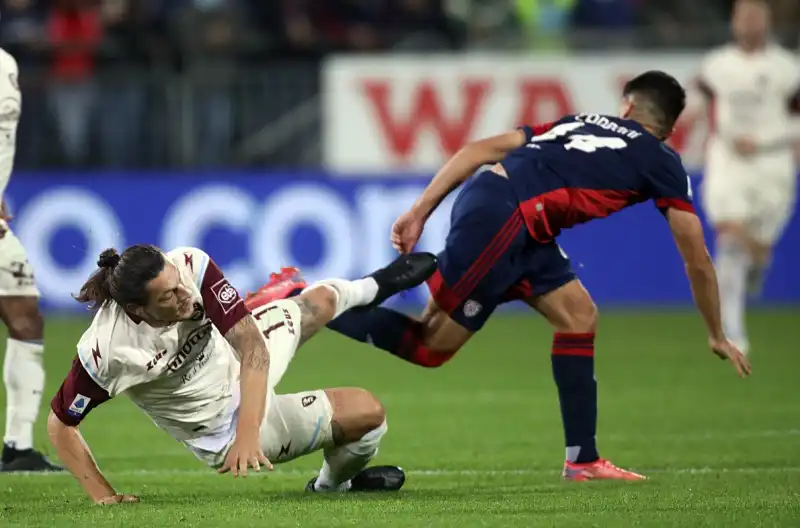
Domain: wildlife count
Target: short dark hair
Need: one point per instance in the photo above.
(660, 98)
(122, 278)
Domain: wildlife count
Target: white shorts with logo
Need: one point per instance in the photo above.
(760, 196)
(16, 273)
(294, 424)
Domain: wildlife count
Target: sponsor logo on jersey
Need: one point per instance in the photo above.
(308, 400)
(79, 405)
(472, 308)
(195, 342)
(198, 364)
(226, 295)
(153, 362)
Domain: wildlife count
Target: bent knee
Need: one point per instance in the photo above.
(582, 318)
(436, 339)
(26, 327)
(586, 318)
(428, 350)
(356, 412)
(371, 410)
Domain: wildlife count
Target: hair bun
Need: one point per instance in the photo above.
(108, 259)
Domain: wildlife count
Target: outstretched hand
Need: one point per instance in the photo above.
(726, 350)
(406, 231)
(119, 498)
(244, 453)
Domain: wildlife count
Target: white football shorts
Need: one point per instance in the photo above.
(16, 273)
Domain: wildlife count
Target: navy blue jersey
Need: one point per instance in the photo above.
(589, 166)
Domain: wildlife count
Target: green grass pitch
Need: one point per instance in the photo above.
(481, 438)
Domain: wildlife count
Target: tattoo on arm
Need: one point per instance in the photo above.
(246, 340)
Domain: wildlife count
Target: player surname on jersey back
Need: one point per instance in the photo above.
(586, 142)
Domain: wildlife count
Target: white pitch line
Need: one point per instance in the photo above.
(431, 472)
(672, 437)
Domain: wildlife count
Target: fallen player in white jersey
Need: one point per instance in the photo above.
(174, 336)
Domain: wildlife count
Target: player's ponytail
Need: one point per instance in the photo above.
(97, 290)
(122, 278)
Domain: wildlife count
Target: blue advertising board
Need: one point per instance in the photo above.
(252, 223)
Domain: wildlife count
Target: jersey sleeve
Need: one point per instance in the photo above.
(221, 302)
(533, 131)
(78, 395)
(672, 186)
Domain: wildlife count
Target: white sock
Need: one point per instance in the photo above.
(733, 263)
(344, 462)
(23, 376)
(572, 453)
(756, 274)
(349, 293)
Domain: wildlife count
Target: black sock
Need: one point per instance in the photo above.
(573, 370)
(391, 331)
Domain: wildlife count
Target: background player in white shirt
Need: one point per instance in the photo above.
(175, 337)
(752, 87)
(23, 373)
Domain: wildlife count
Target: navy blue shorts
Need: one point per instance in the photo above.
(489, 257)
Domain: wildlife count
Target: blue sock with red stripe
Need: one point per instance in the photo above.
(573, 370)
(391, 331)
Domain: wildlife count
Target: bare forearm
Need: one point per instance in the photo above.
(247, 341)
(705, 290)
(76, 457)
(253, 386)
(461, 166)
(455, 172)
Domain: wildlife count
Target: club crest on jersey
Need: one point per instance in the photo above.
(226, 295)
(78, 405)
(472, 308)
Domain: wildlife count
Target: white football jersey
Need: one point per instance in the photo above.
(751, 95)
(184, 376)
(10, 111)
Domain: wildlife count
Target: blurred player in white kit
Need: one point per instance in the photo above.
(176, 338)
(23, 373)
(752, 87)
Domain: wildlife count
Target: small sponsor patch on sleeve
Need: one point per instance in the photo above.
(79, 405)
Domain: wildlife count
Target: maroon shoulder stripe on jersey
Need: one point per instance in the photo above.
(223, 304)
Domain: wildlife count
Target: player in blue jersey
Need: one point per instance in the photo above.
(501, 245)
